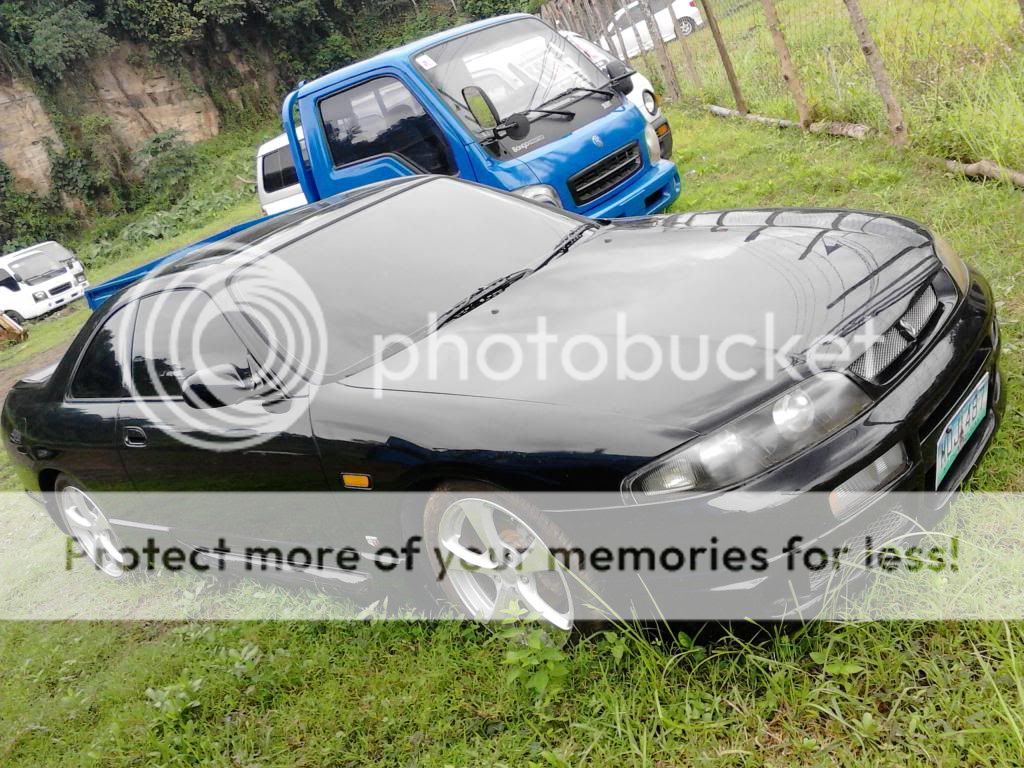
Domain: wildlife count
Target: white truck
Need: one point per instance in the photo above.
(39, 279)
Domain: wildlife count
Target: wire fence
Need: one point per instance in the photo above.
(956, 69)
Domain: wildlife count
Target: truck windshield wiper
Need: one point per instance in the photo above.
(480, 296)
(578, 89)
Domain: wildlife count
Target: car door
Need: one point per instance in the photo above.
(376, 130)
(168, 445)
(83, 432)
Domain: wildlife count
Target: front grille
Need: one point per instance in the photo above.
(60, 289)
(898, 340)
(594, 180)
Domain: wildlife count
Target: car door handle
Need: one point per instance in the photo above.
(135, 437)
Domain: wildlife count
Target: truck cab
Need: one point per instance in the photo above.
(506, 102)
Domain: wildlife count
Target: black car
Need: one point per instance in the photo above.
(317, 377)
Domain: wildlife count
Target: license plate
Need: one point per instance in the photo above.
(958, 430)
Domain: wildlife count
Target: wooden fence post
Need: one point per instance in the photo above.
(688, 62)
(610, 11)
(789, 73)
(661, 52)
(897, 125)
(723, 53)
(593, 25)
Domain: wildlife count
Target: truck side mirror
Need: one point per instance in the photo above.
(516, 126)
(621, 77)
(481, 107)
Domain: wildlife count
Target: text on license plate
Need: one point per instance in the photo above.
(958, 430)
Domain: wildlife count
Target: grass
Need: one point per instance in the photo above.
(354, 693)
(959, 76)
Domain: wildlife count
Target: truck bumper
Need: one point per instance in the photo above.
(651, 192)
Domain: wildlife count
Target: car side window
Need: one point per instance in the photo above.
(7, 281)
(176, 334)
(379, 117)
(278, 170)
(102, 371)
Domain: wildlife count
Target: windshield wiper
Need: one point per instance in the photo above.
(480, 296)
(579, 89)
(565, 244)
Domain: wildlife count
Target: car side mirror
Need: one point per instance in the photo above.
(621, 77)
(217, 387)
(481, 107)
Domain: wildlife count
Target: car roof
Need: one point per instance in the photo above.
(37, 248)
(302, 221)
(400, 56)
(277, 142)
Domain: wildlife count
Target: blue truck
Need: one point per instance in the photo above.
(506, 102)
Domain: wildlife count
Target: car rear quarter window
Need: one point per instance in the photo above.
(382, 117)
(101, 372)
(176, 334)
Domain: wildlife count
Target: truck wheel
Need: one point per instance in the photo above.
(15, 317)
(686, 26)
(497, 545)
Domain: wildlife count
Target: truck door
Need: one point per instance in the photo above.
(372, 131)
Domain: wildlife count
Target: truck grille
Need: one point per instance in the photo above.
(60, 289)
(594, 180)
(896, 341)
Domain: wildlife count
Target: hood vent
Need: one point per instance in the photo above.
(899, 339)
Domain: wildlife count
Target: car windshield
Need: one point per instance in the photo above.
(521, 65)
(395, 266)
(36, 267)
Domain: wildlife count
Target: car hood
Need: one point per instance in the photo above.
(767, 278)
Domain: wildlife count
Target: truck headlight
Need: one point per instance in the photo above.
(80, 277)
(39, 295)
(954, 264)
(653, 145)
(650, 103)
(798, 419)
(540, 193)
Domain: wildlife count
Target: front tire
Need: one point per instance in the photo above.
(15, 317)
(89, 527)
(498, 546)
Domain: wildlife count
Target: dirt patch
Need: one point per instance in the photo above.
(8, 376)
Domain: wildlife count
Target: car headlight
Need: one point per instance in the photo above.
(39, 295)
(653, 145)
(954, 264)
(799, 418)
(540, 193)
(650, 103)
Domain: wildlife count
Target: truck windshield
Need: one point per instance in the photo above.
(521, 64)
(36, 267)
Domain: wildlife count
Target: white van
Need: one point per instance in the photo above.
(39, 279)
(276, 179)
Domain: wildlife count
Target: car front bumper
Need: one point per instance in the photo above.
(793, 500)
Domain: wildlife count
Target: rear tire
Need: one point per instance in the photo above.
(89, 527)
(686, 26)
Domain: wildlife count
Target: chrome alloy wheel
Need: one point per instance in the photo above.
(497, 562)
(91, 530)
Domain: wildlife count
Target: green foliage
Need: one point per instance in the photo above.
(164, 165)
(27, 218)
(482, 9)
(50, 37)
